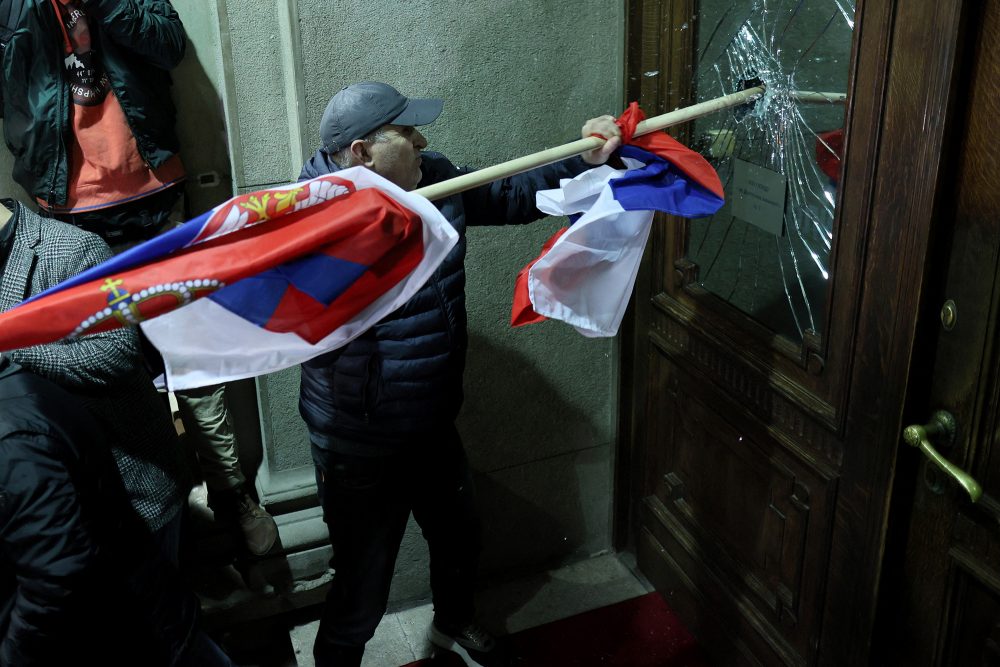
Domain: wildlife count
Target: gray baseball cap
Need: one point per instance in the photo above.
(364, 107)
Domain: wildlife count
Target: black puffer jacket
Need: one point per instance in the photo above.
(404, 375)
(56, 502)
(81, 580)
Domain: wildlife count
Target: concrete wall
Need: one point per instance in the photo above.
(200, 96)
(516, 76)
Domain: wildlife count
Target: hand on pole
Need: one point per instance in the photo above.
(605, 127)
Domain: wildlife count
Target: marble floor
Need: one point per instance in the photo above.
(505, 607)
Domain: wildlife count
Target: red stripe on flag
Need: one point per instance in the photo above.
(691, 163)
(521, 312)
(387, 266)
(294, 308)
(226, 259)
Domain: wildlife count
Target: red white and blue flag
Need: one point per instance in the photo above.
(586, 272)
(287, 274)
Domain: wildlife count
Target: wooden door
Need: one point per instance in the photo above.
(941, 598)
(762, 435)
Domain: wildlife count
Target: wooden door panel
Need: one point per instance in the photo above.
(769, 394)
(975, 627)
(728, 493)
(736, 637)
(744, 497)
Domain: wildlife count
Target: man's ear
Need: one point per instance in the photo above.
(360, 153)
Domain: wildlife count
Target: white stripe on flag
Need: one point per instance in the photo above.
(587, 276)
(203, 343)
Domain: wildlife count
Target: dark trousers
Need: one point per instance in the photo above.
(126, 224)
(167, 609)
(366, 504)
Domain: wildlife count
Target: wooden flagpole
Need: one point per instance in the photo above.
(815, 97)
(504, 169)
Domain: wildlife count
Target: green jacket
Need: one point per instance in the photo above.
(138, 41)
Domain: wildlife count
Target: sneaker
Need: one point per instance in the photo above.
(259, 530)
(472, 643)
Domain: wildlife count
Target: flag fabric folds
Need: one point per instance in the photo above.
(586, 272)
(287, 274)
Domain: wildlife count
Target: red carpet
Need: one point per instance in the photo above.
(641, 632)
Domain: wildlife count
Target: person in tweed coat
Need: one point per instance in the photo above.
(103, 369)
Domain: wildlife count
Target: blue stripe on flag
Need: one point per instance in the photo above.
(322, 277)
(155, 248)
(660, 186)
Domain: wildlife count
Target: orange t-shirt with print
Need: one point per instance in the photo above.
(105, 167)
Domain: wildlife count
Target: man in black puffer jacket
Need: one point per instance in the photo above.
(80, 579)
(57, 505)
(381, 410)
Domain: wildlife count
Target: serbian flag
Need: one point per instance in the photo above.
(263, 282)
(586, 272)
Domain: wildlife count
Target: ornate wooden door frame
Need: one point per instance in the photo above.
(836, 401)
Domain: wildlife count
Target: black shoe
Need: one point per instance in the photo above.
(472, 643)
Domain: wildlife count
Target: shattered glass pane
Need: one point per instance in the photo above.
(767, 251)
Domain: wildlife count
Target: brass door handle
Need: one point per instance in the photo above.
(942, 424)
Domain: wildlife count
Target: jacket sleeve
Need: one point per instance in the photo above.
(42, 534)
(103, 359)
(151, 29)
(11, 15)
(511, 201)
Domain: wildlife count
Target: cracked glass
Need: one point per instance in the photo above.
(767, 250)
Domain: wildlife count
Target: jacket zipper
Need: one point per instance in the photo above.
(62, 110)
(60, 147)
